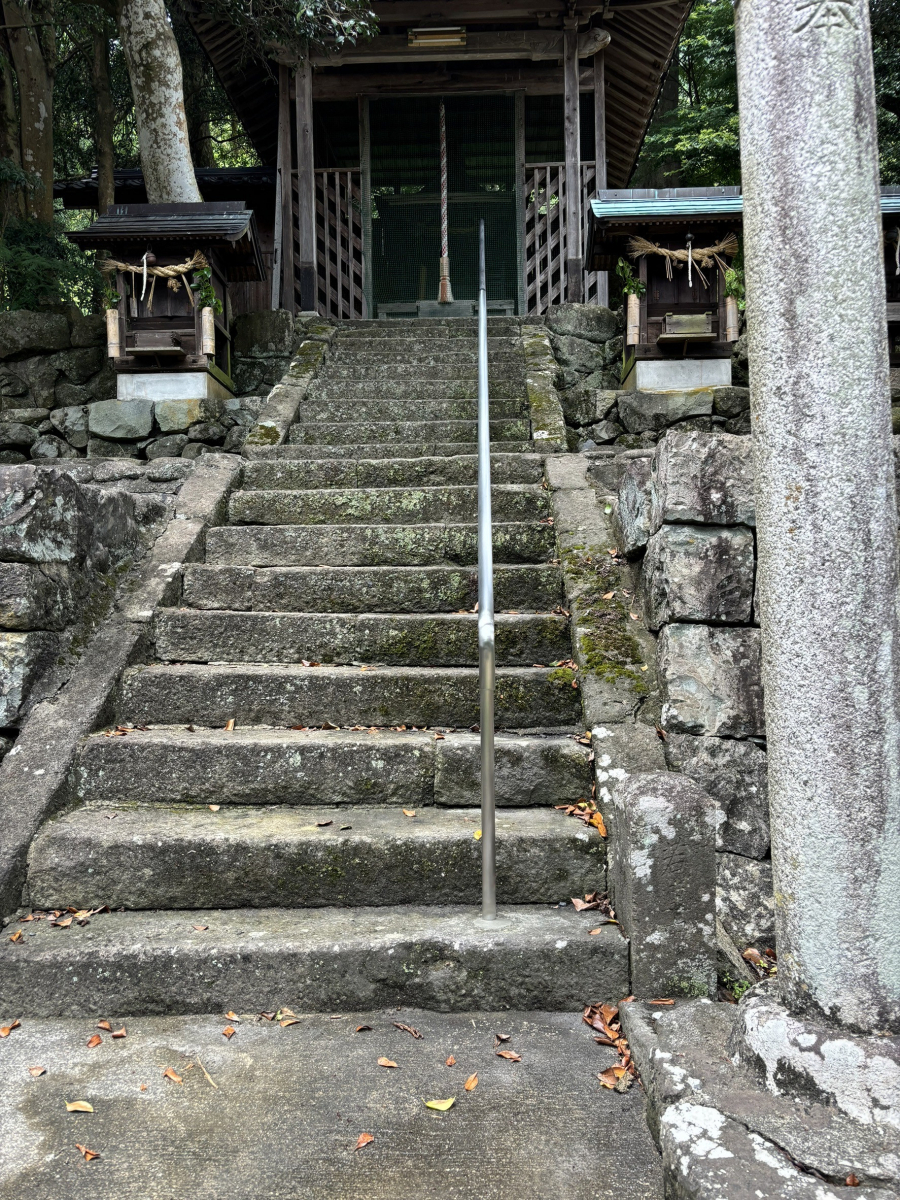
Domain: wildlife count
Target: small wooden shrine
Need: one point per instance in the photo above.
(170, 265)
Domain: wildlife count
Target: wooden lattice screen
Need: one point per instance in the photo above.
(545, 235)
(339, 244)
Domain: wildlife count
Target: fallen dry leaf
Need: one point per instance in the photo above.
(441, 1105)
(660, 1001)
(322, 824)
(500, 1038)
(104, 1025)
(214, 807)
(17, 936)
(78, 1106)
(407, 1029)
(364, 1139)
(608, 595)
(471, 1083)
(439, 737)
(88, 1154)
(228, 1032)
(200, 928)
(35, 1071)
(229, 725)
(508, 1054)
(386, 1062)
(409, 812)
(363, 1029)
(94, 1040)
(477, 835)
(451, 1061)
(598, 823)
(232, 1016)
(289, 1021)
(119, 1033)
(142, 1088)
(851, 1180)
(168, 1073)
(6, 1030)
(584, 905)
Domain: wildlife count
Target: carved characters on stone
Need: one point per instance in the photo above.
(827, 15)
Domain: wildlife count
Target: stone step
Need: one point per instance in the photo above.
(375, 545)
(390, 368)
(400, 351)
(169, 765)
(401, 639)
(318, 960)
(367, 589)
(360, 434)
(405, 450)
(428, 327)
(155, 857)
(333, 411)
(385, 506)
(415, 389)
(431, 471)
(288, 695)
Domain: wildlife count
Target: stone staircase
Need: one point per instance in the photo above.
(323, 852)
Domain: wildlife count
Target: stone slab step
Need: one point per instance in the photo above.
(385, 506)
(363, 433)
(320, 960)
(287, 695)
(392, 639)
(319, 410)
(155, 857)
(367, 589)
(379, 450)
(428, 327)
(433, 471)
(404, 367)
(375, 545)
(415, 389)
(170, 765)
(402, 351)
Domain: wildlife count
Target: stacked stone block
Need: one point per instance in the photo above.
(688, 514)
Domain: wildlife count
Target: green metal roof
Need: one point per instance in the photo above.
(678, 202)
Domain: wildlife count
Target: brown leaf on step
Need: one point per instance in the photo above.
(660, 1001)
(300, 728)
(17, 936)
(364, 1139)
(232, 1016)
(599, 824)
(634, 616)
(363, 1029)
(607, 596)
(189, 728)
(851, 1181)
(228, 1032)
(439, 737)
(6, 1030)
(289, 1021)
(344, 827)
(200, 928)
(322, 824)
(451, 1061)
(79, 1106)
(386, 1062)
(752, 956)
(214, 807)
(609, 1012)
(508, 1054)
(104, 1025)
(602, 1040)
(500, 1038)
(88, 1154)
(63, 924)
(168, 1073)
(584, 905)
(471, 1083)
(119, 1033)
(661, 733)
(229, 725)
(407, 1029)
(409, 812)
(94, 1040)
(35, 1071)
(329, 725)
(609, 1078)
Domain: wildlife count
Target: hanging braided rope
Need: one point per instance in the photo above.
(708, 256)
(445, 294)
(174, 275)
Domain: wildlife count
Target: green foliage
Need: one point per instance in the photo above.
(734, 286)
(631, 285)
(697, 143)
(40, 268)
(297, 23)
(204, 292)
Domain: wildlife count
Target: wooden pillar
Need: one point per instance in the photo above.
(600, 151)
(574, 275)
(306, 190)
(285, 233)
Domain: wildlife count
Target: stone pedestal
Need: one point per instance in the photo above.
(677, 374)
(170, 385)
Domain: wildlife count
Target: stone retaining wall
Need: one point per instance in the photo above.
(58, 392)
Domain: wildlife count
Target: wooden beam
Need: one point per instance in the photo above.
(306, 189)
(572, 119)
(534, 81)
(402, 12)
(286, 232)
(534, 44)
(600, 151)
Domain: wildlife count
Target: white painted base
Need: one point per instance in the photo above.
(677, 374)
(170, 385)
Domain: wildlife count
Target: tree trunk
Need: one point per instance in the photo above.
(32, 44)
(103, 132)
(195, 66)
(154, 66)
(10, 196)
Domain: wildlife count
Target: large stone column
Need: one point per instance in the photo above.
(826, 513)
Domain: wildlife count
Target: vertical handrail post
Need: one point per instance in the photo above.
(486, 649)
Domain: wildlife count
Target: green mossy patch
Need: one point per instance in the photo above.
(605, 647)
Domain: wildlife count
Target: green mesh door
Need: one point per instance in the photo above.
(405, 165)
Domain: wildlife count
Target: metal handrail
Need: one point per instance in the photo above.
(486, 645)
